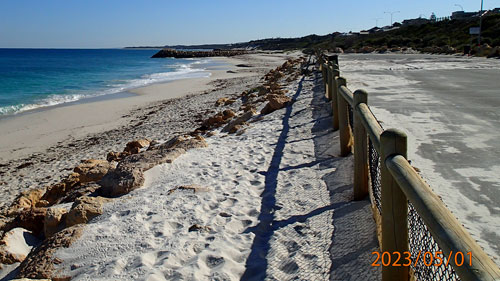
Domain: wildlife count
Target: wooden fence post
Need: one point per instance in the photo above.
(335, 90)
(327, 80)
(394, 206)
(330, 83)
(323, 71)
(360, 149)
(344, 129)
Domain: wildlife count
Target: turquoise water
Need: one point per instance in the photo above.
(35, 78)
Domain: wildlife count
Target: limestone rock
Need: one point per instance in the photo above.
(116, 156)
(263, 90)
(92, 170)
(238, 121)
(129, 174)
(275, 102)
(221, 101)
(235, 129)
(54, 221)
(134, 146)
(25, 201)
(54, 192)
(121, 181)
(247, 107)
(214, 121)
(228, 114)
(78, 191)
(84, 209)
(15, 245)
(31, 219)
(230, 101)
(40, 263)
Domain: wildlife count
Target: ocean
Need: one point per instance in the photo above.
(37, 78)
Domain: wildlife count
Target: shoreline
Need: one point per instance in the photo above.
(90, 112)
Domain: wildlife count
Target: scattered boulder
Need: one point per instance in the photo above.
(129, 173)
(56, 191)
(93, 170)
(84, 209)
(235, 128)
(263, 90)
(116, 156)
(275, 102)
(134, 147)
(221, 101)
(228, 114)
(40, 262)
(238, 121)
(54, 221)
(229, 101)
(214, 121)
(247, 107)
(31, 220)
(26, 200)
(16, 244)
(87, 189)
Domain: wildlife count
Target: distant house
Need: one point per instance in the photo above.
(492, 12)
(417, 21)
(463, 15)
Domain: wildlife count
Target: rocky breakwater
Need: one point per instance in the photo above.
(171, 53)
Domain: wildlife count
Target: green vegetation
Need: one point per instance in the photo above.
(448, 36)
(443, 36)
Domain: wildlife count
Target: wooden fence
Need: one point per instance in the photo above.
(410, 217)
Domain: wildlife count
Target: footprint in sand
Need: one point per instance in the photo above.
(214, 261)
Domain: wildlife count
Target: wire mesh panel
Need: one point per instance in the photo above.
(351, 120)
(427, 266)
(374, 162)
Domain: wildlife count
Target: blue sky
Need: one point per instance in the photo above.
(119, 23)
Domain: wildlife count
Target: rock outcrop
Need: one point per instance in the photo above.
(84, 209)
(275, 102)
(92, 170)
(129, 173)
(40, 262)
(54, 221)
(229, 128)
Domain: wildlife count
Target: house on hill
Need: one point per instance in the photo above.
(417, 21)
(463, 15)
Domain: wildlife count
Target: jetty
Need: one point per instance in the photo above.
(172, 53)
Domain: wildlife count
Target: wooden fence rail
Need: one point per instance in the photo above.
(400, 186)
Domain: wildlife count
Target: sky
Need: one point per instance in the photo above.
(121, 23)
